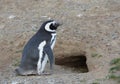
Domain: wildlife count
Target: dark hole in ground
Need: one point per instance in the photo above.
(76, 63)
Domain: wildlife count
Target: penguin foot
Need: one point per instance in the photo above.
(45, 73)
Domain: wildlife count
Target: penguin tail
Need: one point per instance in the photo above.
(19, 71)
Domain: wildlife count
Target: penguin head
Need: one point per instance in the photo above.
(51, 25)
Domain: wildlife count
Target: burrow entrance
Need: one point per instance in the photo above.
(76, 63)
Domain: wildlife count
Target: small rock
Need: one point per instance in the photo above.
(49, 18)
(114, 36)
(14, 82)
(79, 15)
(11, 16)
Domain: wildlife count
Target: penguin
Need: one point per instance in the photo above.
(38, 50)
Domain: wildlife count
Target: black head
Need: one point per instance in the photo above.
(51, 25)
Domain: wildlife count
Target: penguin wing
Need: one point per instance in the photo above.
(49, 52)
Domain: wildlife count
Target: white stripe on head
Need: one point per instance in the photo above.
(47, 26)
(40, 48)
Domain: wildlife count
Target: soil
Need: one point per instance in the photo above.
(91, 28)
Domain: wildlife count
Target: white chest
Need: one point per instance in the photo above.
(53, 40)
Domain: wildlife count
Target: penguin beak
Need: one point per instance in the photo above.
(57, 24)
(60, 24)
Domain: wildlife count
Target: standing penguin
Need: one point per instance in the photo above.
(38, 50)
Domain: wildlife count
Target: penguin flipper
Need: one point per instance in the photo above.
(49, 52)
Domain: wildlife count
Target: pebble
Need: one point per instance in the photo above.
(79, 15)
(11, 16)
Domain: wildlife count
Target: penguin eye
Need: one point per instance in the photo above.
(52, 27)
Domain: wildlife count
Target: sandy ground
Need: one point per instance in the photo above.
(88, 25)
